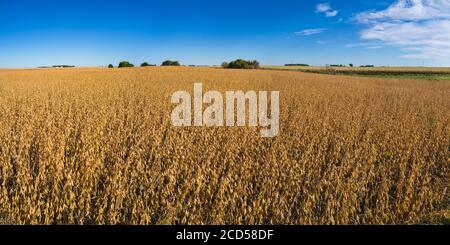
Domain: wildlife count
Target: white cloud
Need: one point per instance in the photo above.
(374, 47)
(420, 28)
(326, 8)
(309, 32)
(409, 10)
(331, 13)
(368, 44)
(321, 42)
(323, 7)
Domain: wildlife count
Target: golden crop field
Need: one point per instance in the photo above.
(96, 146)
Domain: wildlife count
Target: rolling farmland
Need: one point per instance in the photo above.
(96, 146)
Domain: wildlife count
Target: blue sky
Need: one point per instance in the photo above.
(95, 33)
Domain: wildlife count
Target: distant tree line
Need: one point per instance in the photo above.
(63, 66)
(236, 64)
(296, 65)
(147, 64)
(170, 63)
(241, 64)
(124, 64)
(350, 65)
(57, 66)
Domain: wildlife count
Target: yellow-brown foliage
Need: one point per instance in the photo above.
(96, 146)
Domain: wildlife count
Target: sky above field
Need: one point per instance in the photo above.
(200, 32)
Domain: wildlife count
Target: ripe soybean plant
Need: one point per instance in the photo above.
(235, 111)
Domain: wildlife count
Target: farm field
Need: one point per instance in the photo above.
(96, 146)
(421, 73)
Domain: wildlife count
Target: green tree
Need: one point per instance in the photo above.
(110, 66)
(243, 64)
(125, 64)
(170, 63)
(145, 64)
